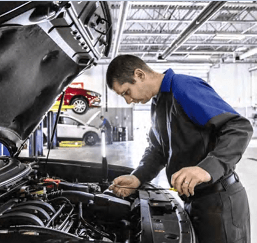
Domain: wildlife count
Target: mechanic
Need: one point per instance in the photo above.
(198, 137)
(106, 124)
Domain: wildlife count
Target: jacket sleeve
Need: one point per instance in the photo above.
(233, 133)
(207, 109)
(152, 162)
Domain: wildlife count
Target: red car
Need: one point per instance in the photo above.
(82, 99)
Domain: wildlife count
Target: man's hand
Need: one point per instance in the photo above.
(187, 178)
(125, 185)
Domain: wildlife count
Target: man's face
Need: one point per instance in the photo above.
(136, 92)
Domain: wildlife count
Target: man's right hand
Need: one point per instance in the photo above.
(125, 185)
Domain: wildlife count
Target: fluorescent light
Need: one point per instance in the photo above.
(198, 57)
(229, 37)
(252, 69)
(248, 53)
(241, 49)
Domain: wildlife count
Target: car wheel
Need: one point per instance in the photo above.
(80, 105)
(90, 138)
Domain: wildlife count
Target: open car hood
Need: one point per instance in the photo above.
(44, 46)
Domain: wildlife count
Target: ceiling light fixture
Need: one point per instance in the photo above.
(248, 53)
(241, 49)
(229, 37)
(198, 57)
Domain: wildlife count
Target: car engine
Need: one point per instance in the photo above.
(51, 207)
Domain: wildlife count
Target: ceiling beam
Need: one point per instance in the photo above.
(170, 3)
(204, 16)
(191, 44)
(199, 33)
(171, 21)
(190, 63)
(120, 26)
(192, 3)
(183, 5)
(106, 61)
(179, 52)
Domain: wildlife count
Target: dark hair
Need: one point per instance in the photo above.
(101, 117)
(121, 69)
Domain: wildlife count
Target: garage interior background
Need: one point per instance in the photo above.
(216, 41)
(212, 40)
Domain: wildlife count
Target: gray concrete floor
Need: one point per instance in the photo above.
(129, 154)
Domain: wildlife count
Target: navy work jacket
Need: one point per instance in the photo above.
(192, 126)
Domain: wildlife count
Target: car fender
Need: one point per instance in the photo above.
(78, 96)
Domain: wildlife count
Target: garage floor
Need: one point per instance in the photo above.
(129, 154)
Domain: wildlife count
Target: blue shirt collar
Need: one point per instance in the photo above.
(165, 86)
(166, 82)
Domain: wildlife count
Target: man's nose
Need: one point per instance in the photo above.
(128, 99)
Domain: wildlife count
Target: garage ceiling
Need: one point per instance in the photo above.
(185, 32)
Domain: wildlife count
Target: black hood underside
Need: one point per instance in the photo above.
(44, 46)
(33, 72)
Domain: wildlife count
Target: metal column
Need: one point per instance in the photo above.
(51, 118)
(36, 142)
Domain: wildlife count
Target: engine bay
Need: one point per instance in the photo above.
(53, 207)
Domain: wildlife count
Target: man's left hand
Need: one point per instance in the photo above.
(187, 178)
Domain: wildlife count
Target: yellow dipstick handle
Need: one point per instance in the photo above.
(173, 189)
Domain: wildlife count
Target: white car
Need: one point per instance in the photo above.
(72, 129)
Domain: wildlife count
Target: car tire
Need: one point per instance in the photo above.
(80, 105)
(90, 138)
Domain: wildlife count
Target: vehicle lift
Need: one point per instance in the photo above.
(36, 138)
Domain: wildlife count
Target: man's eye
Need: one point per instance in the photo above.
(127, 92)
(124, 93)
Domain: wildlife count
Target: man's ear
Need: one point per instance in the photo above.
(139, 73)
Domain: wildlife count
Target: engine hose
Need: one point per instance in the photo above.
(60, 199)
(43, 230)
(56, 215)
(61, 227)
(77, 196)
(54, 194)
(104, 234)
(79, 216)
(69, 226)
(74, 196)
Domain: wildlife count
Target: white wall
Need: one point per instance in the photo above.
(93, 79)
(200, 71)
(233, 83)
(254, 87)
